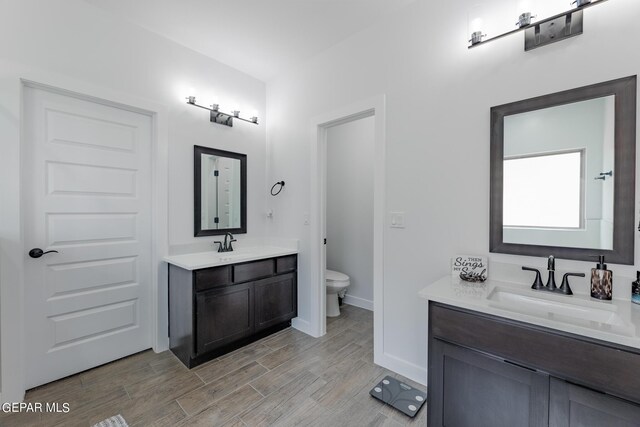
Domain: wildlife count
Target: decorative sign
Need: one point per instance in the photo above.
(471, 268)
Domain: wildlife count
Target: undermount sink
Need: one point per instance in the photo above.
(204, 257)
(229, 256)
(568, 309)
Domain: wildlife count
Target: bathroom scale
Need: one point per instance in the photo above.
(401, 396)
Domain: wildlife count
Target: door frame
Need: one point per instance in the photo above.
(372, 107)
(12, 250)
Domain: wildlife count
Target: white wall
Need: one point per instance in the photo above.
(438, 96)
(350, 206)
(71, 44)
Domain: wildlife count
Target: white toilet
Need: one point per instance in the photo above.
(336, 283)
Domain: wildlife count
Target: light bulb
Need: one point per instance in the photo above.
(476, 22)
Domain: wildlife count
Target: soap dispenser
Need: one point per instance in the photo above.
(635, 289)
(601, 281)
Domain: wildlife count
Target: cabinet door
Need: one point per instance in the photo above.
(276, 300)
(575, 406)
(223, 315)
(468, 388)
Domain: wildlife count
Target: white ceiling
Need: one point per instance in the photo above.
(258, 37)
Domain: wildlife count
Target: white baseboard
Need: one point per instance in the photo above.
(358, 302)
(406, 369)
(161, 345)
(303, 326)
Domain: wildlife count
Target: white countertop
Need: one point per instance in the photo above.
(616, 321)
(198, 260)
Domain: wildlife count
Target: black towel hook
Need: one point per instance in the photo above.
(281, 184)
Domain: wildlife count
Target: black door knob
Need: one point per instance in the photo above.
(37, 252)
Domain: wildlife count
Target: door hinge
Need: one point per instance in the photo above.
(216, 220)
(325, 241)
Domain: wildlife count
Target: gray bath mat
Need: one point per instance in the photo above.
(116, 421)
(401, 396)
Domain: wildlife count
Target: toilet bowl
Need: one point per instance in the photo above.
(336, 282)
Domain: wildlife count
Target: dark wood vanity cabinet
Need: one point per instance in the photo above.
(490, 371)
(215, 310)
(575, 406)
(481, 390)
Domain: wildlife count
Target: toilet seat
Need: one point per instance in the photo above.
(334, 276)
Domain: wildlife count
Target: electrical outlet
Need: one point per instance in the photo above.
(306, 219)
(397, 219)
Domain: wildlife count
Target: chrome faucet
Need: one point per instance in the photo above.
(564, 288)
(226, 246)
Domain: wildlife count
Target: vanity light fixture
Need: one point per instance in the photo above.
(524, 19)
(546, 31)
(476, 37)
(217, 116)
(476, 24)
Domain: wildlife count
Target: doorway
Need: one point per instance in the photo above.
(349, 210)
(373, 108)
(87, 198)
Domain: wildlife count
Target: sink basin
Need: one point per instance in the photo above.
(567, 309)
(207, 259)
(230, 256)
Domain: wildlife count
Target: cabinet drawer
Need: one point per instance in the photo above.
(253, 270)
(212, 277)
(286, 264)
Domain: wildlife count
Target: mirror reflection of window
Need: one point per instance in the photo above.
(552, 157)
(221, 184)
(555, 179)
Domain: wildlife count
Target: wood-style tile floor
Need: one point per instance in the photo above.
(287, 379)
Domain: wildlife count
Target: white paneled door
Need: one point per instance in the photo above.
(87, 195)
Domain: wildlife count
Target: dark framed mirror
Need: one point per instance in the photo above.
(220, 199)
(563, 174)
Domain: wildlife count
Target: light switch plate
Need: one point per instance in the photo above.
(397, 219)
